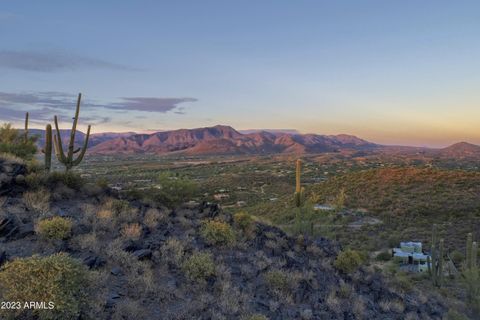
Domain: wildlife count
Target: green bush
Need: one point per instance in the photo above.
(277, 280)
(56, 228)
(217, 232)
(173, 190)
(348, 261)
(383, 256)
(244, 221)
(68, 178)
(12, 142)
(199, 267)
(57, 278)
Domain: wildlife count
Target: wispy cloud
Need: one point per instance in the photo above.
(7, 16)
(52, 61)
(149, 104)
(43, 105)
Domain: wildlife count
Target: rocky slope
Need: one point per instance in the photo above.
(264, 272)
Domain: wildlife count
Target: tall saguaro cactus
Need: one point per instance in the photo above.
(472, 249)
(435, 264)
(25, 133)
(47, 150)
(299, 191)
(67, 159)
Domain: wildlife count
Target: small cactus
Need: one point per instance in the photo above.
(472, 250)
(47, 150)
(25, 133)
(67, 160)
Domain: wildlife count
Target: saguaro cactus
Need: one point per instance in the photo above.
(472, 249)
(435, 264)
(25, 133)
(67, 160)
(47, 150)
(299, 191)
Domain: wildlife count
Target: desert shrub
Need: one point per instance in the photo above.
(132, 231)
(199, 267)
(38, 201)
(471, 283)
(383, 256)
(173, 190)
(454, 315)
(457, 257)
(277, 280)
(55, 228)
(153, 217)
(172, 251)
(257, 316)
(68, 178)
(12, 142)
(348, 261)
(244, 221)
(57, 278)
(217, 232)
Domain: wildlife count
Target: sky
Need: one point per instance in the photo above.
(391, 72)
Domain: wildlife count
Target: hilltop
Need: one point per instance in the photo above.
(148, 261)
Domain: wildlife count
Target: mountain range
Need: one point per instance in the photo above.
(223, 139)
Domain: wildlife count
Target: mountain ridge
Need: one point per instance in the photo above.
(223, 139)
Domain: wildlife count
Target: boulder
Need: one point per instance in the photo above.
(143, 254)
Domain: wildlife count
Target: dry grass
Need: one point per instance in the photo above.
(38, 201)
(395, 306)
(333, 302)
(173, 251)
(153, 218)
(132, 231)
(129, 309)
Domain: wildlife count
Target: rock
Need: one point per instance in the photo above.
(7, 224)
(93, 261)
(116, 271)
(20, 179)
(3, 257)
(131, 246)
(307, 314)
(24, 230)
(143, 254)
(112, 299)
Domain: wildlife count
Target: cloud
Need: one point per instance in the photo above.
(6, 16)
(44, 105)
(52, 61)
(161, 105)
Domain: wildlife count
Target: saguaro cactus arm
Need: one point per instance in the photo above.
(58, 143)
(83, 150)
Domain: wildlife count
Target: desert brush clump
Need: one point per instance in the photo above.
(348, 261)
(38, 201)
(55, 228)
(12, 142)
(244, 221)
(57, 278)
(132, 231)
(199, 266)
(216, 232)
(173, 251)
